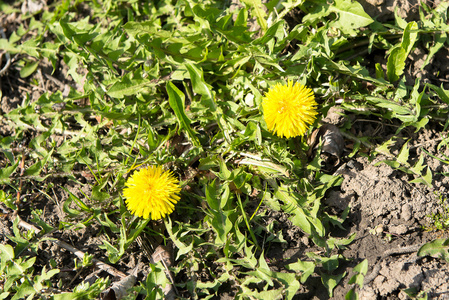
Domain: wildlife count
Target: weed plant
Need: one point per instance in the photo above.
(180, 84)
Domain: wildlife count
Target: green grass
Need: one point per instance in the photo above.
(180, 84)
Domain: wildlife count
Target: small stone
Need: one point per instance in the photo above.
(406, 212)
(305, 240)
(380, 229)
(399, 229)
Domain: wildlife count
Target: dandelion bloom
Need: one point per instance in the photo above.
(151, 192)
(289, 109)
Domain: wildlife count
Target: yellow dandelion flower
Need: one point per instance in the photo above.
(289, 109)
(151, 193)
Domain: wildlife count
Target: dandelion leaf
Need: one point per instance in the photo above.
(350, 16)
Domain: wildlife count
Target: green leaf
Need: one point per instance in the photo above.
(131, 84)
(331, 281)
(6, 255)
(409, 37)
(418, 167)
(350, 16)
(6, 172)
(135, 232)
(351, 295)
(25, 289)
(425, 179)
(263, 272)
(36, 168)
(441, 92)
(270, 34)
(292, 206)
(182, 248)
(98, 194)
(112, 252)
(396, 63)
(31, 47)
(437, 248)
(176, 100)
(28, 69)
(265, 165)
(397, 108)
(80, 32)
(77, 201)
(222, 225)
(361, 269)
(200, 86)
(379, 71)
(306, 267)
(440, 39)
(257, 11)
(37, 220)
(403, 155)
(212, 197)
(396, 60)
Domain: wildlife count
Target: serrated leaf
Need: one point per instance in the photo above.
(291, 284)
(306, 267)
(200, 86)
(31, 47)
(98, 194)
(6, 255)
(396, 60)
(50, 51)
(379, 71)
(409, 37)
(139, 28)
(8, 46)
(350, 16)
(212, 196)
(437, 248)
(361, 269)
(270, 34)
(403, 155)
(141, 224)
(396, 63)
(292, 207)
(441, 92)
(78, 202)
(25, 289)
(392, 105)
(182, 248)
(428, 177)
(331, 281)
(131, 84)
(36, 168)
(176, 100)
(80, 32)
(391, 163)
(439, 40)
(258, 12)
(418, 167)
(425, 179)
(6, 172)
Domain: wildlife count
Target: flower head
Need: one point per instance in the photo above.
(289, 109)
(151, 192)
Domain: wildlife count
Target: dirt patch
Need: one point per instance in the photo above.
(389, 213)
